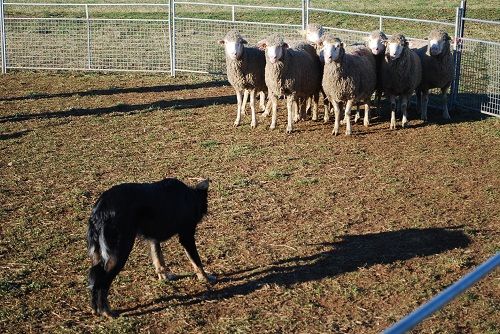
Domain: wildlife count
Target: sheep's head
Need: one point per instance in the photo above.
(332, 48)
(313, 33)
(275, 48)
(375, 42)
(395, 45)
(439, 42)
(233, 44)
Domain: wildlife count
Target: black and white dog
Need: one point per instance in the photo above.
(156, 211)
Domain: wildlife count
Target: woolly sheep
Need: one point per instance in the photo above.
(401, 74)
(349, 77)
(245, 72)
(376, 42)
(313, 34)
(437, 70)
(291, 71)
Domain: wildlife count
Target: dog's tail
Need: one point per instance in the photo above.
(96, 242)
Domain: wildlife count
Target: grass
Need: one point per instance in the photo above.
(306, 232)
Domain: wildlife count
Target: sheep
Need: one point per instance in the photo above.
(437, 70)
(349, 77)
(313, 34)
(291, 71)
(375, 41)
(245, 72)
(401, 74)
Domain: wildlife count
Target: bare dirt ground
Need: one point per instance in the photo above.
(307, 233)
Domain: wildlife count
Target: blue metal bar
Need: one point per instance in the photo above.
(444, 297)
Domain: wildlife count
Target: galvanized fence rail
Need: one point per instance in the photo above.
(165, 37)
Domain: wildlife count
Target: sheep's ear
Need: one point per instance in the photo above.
(221, 42)
(341, 44)
(426, 38)
(203, 185)
(448, 38)
(262, 44)
(285, 45)
(244, 41)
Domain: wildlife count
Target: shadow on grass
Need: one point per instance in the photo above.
(199, 102)
(13, 135)
(112, 91)
(346, 255)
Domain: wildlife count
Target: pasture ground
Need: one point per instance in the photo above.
(306, 232)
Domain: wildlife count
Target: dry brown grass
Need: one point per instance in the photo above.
(306, 232)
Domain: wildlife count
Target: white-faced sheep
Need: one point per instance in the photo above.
(437, 70)
(349, 77)
(313, 34)
(245, 72)
(376, 42)
(291, 71)
(401, 74)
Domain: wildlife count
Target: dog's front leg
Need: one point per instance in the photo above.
(159, 262)
(192, 253)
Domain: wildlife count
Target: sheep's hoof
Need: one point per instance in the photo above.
(272, 127)
(335, 132)
(253, 125)
(348, 133)
(326, 119)
(110, 314)
(289, 129)
(403, 125)
(236, 124)
(446, 116)
(366, 124)
(314, 118)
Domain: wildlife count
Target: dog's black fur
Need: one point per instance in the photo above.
(156, 211)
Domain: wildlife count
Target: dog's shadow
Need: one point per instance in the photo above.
(349, 254)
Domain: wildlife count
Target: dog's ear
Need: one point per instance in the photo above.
(203, 185)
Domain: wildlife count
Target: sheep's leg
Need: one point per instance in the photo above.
(423, 105)
(304, 106)
(253, 124)
(336, 108)
(262, 104)
(366, 120)
(444, 96)
(267, 110)
(393, 112)
(244, 103)
(418, 94)
(315, 100)
(274, 103)
(290, 101)
(378, 98)
(296, 112)
(357, 117)
(238, 110)
(404, 109)
(308, 105)
(328, 106)
(348, 108)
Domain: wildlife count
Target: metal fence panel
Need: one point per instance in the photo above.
(196, 44)
(120, 45)
(479, 87)
(46, 43)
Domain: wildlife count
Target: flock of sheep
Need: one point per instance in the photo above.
(346, 76)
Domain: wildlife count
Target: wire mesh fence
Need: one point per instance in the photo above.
(182, 36)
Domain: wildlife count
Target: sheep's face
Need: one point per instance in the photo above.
(437, 42)
(314, 33)
(376, 45)
(234, 49)
(275, 50)
(395, 46)
(332, 50)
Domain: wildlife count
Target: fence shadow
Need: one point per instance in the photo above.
(13, 135)
(346, 255)
(112, 91)
(178, 104)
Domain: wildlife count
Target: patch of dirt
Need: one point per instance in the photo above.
(306, 232)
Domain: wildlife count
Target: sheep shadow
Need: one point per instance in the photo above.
(115, 90)
(346, 255)
(178, 104)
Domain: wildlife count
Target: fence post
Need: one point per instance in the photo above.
(171, 20)
(457, 53)
(89, 52)
(304, 24)
(3, 37)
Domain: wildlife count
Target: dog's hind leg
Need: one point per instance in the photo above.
(188, 242)
(159, 262)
